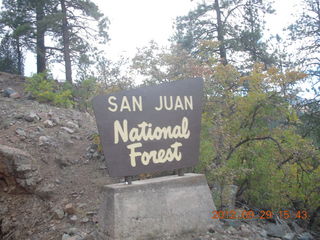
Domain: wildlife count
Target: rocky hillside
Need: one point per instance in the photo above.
(52, 176)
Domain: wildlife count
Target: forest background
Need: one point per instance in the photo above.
(259, 132)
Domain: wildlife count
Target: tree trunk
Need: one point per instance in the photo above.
(66, 42)
(222, 47)
(19, 53)
(41, 50)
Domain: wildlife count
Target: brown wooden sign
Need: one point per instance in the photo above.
(150, 129)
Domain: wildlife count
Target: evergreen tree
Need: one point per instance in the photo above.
(81, 24)
(306, 32)
(10, 62)
(236, 25)
(15, 24)
(73, 26)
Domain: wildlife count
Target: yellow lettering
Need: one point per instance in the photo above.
(160, 156)
(134, 154)
(137, 103)
(178, 104)
(125, 104)
(145, 131)
(166, 104)
(160, 106)
(188, 101)
(122, 130)
(110, 101)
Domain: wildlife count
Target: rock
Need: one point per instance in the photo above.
(66, 236)
(46, 141)
(31, 117)
(20, 132)
(305, 236)
(46, 191)
(263, 233)
(68, 130)
(96, 155)
(73, 218)
(8, 91)
(62, 162)
(18, 168)
(289, 236)
(69, 209)
(297, 228)
(231, 230)
(245, 228)
(72, 231)
(277, 230)
(58, 213)
(55, 120)
(39, 129)
(48, 123)
(84, 220)
(15, 95)
(72, 125)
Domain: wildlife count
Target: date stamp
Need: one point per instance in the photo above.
(263, 214)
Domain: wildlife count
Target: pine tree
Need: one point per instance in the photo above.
(237, 26)
(306, 32)
(15, 24)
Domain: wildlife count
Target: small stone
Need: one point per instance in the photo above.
(72, 125)
(263, 233)
(95, 154)
(297, 228)
(11, 93)
(82, 205)
(15, 95)
(31, 117)
(48, 123)
(8, 91)
(62, 161)
(45, 140)
(46, 191)
(84, 220)
(277, 230)
(65, 237)
(244, 228)
(73, 218)
(68, 130)
(39, 129)
(58, 213)
(56, 120)
(21, 132)
(70, 209)
(289, 236)
(72, 231)
(91, 213)
(305, 236)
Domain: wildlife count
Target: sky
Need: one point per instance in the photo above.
(135, 23)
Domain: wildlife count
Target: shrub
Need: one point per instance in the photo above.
(46, 90)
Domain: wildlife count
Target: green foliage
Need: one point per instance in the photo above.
(84, 91)
(236, 26)
(306, 32)
(8, 56)
(255, 140)
(45, 89)
(250, 134)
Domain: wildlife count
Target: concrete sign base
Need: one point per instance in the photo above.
(157, 208)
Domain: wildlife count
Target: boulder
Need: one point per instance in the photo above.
(18, 169)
